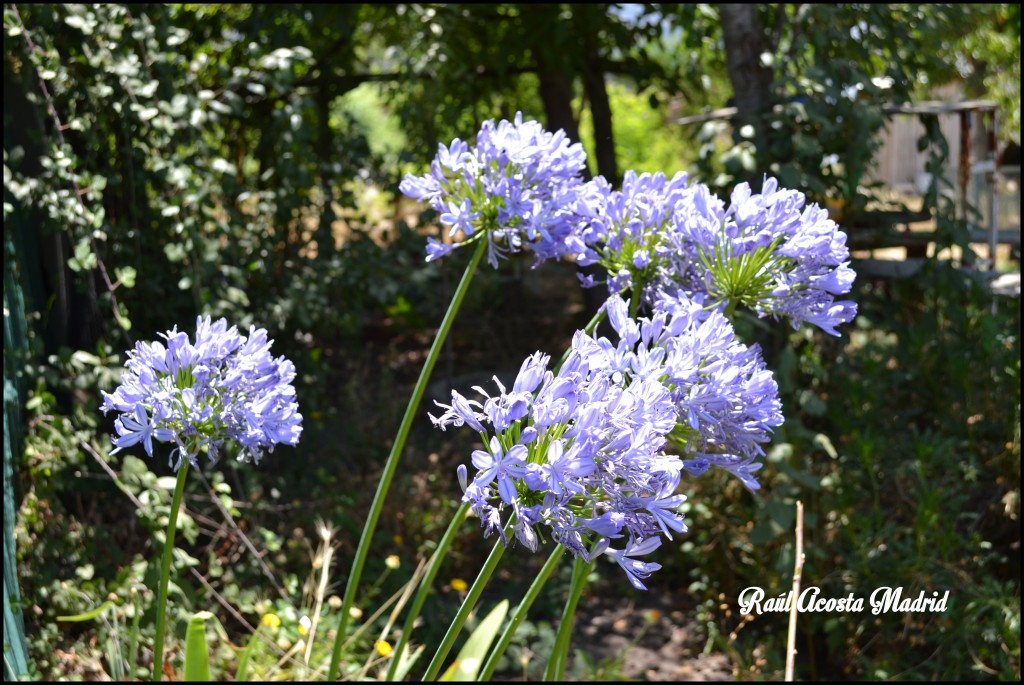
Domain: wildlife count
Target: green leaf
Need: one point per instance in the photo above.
(78, 22)
(808, 480)
(166, 482)
(89, 615)
(84, 258)
(407, 662)
(126, 276)
(82, 359)
(243, 661)
(471, 657)
(197, 658)
(821, 440)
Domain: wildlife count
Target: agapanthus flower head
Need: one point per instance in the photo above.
(581, 450)
(198, 395)
(772, 253)
(516, 188)
(727, 400)
(765, 251)
(630, 231)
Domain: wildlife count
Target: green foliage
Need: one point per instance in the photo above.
(988, 59)
(644, 140)
(168, 160)
(471, 657)
(902, 451)
(833, 67)
(527, 654)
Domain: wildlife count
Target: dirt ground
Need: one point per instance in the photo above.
(670, 645)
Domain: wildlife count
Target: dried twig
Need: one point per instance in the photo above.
(798, 568)
(245, 539)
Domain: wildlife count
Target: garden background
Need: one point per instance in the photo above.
(164, 161)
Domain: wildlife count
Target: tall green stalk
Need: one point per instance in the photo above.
(560, 653)
(396, 452)
(520, 613)
(421, 594)
(165, 572)
(467, 605)
(634, 300)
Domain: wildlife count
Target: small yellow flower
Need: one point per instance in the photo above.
(304, 624)
(458, 584)
(271, 621)
(383, 648)
(392, 562)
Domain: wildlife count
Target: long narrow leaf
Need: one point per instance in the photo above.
(197, 657)
(89, 615)
(407, 662)
(471, 657)
(243, 661)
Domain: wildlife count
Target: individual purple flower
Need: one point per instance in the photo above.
(461, 217)
(517, 187)
(139, 427)
(199, 395)
(497, 465)
(635, 569)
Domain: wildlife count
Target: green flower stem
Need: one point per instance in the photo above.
(165, 572)
(560, 654)
(634, 301)
(520, 613)
(392, 463)
(421, 594)
(467, 605)
(730, 309)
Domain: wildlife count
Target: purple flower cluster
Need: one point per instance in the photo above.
(520, 186)
(766, 251)
(197, 395)
(581, 450)
(772, 253)
(517, 186)
(727, 401)
(628, 231)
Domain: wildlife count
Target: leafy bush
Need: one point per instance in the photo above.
(166, 160)
(903, 452)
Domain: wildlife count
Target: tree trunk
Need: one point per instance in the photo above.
(744, 42)
(556, 93)
(587, 22)
(601, 113)
(324, 232)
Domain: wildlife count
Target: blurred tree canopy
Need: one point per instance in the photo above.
(206, 141)
(810, 80)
